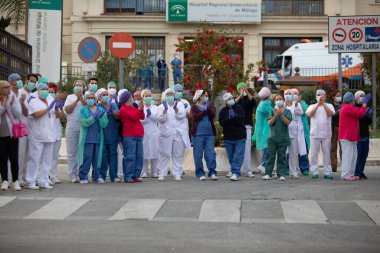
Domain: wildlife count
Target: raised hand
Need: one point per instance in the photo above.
(165, 105)
(231, 113)
(367, 98)
(96, 114)
(148, 113)
(52, 105)
(175, 105)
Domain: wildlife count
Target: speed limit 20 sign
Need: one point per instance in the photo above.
(354, 34)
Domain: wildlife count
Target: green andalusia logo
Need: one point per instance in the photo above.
(177, 10)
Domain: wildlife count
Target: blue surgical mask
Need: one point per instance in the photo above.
(361, 100)
(105, 99)
(205, 99)
(52, 94)
(231, 102)
(19, 84)
(44, 94)
(148, 100)
(170, 99)
(153, 103)
(31, 86)
(178, 95)
(289, 97)
(77, 89)
(90, 102)
(93, 87)
(280, 103)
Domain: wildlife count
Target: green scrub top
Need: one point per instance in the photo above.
(279, 131)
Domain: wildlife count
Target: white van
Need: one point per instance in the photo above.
(315, 62)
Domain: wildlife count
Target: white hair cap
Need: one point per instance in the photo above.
(359, 93)
(227, 96)
(169, 91)
(99, 92)
(264, 93)
(143, 92)
(197, 95)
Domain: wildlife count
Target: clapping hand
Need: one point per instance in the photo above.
(52, 105)
(369, 112)
(175, 105)
(367, 98)
(165, 105)
(231, 113)
(185, 105)
(148, 113)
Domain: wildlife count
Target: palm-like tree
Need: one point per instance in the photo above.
(16, 10)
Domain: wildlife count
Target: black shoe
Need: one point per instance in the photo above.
(363, 177)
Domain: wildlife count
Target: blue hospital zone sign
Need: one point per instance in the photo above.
(354, 34)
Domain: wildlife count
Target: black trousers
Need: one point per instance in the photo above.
(9, 151)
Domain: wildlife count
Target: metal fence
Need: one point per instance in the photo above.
(15, 55)
(293, 7)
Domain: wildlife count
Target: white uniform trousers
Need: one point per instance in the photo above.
(154, 166)
(120, 161)
(349, 156)
(54, 159)
(23, 158)
(315, 144)
(293, 156)
(40, 155)
(177, 151)
(72, 139)
(247, 165)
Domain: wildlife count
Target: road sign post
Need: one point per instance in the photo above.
(121, 45)
(340, 72)
(374, 94)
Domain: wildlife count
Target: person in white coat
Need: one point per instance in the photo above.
(320, 115)
(296, 132)
(151, 136)
(72, 107)
(41, 138)
(174, 136)
(59, 114)
(10, 112)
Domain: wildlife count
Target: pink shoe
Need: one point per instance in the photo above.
(355, 178)
(347, 179)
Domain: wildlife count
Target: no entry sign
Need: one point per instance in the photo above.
(122, 45)
(354, 34)
(89, 49)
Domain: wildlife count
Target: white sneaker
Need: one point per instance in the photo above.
(177, 178)
(33, 187)
(213, 177)
(75, 180)
(229, 174)
(266, 177)
(51, 183)
(117, 180)
(282, 178)
(4, 185)
(202, 178)
(161, 178)
(295, 177)
(16, 186)
(22, 183)
(274, 175)
(55, 180)
(261, 169)
(154, 175)
(46, 186)
(83, 181)
(100, 180)
(144, 175)
(234, 177)
(249, 174)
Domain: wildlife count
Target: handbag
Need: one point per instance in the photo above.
(18, 129)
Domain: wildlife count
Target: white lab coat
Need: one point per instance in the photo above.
(151, 134)
(13, 110)
(23, 141)
(296, 128)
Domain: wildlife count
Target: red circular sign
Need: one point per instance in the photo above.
(122, 45)
(339, 35)
(355, 34)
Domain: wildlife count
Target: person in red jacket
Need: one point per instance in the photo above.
(133, 132)
(349, 133)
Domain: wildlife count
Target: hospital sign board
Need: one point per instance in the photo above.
(354, 34)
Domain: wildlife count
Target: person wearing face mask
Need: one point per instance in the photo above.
(10, 112)
(41, 138)
(176, 65)
(151, 136)
(172, 137)
(111, 136)
(278, 141)
(59, 115)
(261, 133)
(203, 133)
(178, 89)
(133, 132)
(92, 85)
(231, 118)
(336, 102)
(72, 106)
(161, 67)
(363, 143)
(349, 135)
(246, 100)
(296, 133)
(112, 92)
(92, 120)
(320, 115)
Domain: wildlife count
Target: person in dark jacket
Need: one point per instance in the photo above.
(203, 134)
(336, 102)
(161, 68)
(231, 118)
(246, 100)
(363, 143)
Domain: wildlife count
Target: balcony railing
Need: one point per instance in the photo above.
(293, 7)
(135, 7)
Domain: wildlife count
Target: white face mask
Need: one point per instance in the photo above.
(295, 97)
(244, 93)
(112, 91)
(338, 99)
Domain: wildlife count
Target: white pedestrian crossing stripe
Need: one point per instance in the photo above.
(139, 209)
(209, 210)
(58, 209)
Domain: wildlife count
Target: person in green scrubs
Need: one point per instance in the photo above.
(279, 140)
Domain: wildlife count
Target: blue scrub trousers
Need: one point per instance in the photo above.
(235, 152)
(109, 160)
(204, 144)
(90, 157)
(133, 157)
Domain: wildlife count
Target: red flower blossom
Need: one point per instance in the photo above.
(216, 48)
(192, 92)
(237, 58)
(178, 49)
(198, 85)
(205, 53)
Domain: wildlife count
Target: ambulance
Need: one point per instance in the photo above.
(316, 63)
